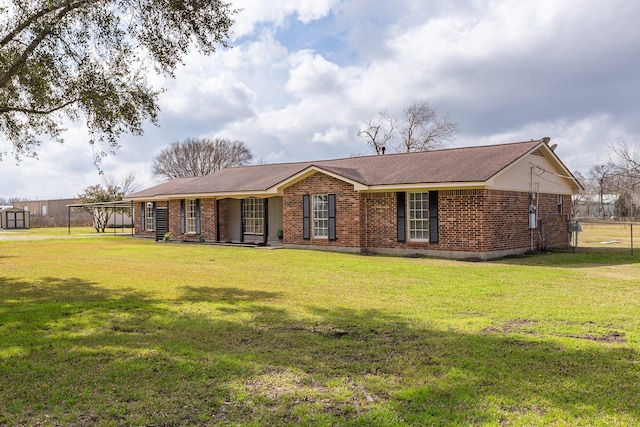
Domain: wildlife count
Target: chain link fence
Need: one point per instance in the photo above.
(605, 234)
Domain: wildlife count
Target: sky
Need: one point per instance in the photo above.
(303, 77)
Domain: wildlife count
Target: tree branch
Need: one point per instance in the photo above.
(10, 109)
(46, 30)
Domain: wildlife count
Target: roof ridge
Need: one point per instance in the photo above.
(315, 161)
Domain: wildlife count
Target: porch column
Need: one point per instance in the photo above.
(265, 227)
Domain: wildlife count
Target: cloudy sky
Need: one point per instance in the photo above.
(304, 76)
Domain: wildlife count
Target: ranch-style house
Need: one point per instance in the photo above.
(473, 202)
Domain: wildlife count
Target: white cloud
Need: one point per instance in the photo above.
(332, 135)
(313, 75)
(277, 11)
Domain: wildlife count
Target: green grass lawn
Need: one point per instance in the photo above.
(609, 234)
(121, 331)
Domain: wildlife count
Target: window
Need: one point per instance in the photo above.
(148, 217)
(191, 216)
(320, 215)
(419, 216)
(253, 215)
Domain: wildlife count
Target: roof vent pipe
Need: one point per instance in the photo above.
(383, 150)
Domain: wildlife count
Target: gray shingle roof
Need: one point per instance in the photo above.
(454, 165)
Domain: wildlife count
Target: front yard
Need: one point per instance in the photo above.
(119, 331)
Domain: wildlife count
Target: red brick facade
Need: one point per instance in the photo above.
(472, 223)
(348, 212)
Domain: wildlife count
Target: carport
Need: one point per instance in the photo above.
(119, 207)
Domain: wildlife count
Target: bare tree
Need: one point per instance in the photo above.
(200, 156)
(578, 200)
(624, 159)
(423, 129)
(420, 128)
(128, 183)
(601, 182)
(378, 133)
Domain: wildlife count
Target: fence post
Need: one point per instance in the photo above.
(631, 239)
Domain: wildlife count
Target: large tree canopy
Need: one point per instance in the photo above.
(199, 157)
(87, 61)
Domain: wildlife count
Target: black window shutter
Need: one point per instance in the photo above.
(197, 216)
(182, 225)
(155, 216)
(332, 216)
(306, 218)
(401, 202)
(217, 220)
(433, 216)
(242, 221)
(142, 222)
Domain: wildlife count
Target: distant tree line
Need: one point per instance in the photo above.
(199, 157)
(612, 186)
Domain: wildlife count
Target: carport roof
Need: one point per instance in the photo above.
(114, 204)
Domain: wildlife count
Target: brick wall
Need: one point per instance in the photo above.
(459, 218)
(174, 218)
(137, 220)
(506, 219)
(225, 221)
(475, 221)
(348, 212)
(208, 220)
(553, 220)
(380, 228)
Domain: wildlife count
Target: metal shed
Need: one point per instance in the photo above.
(13, 218)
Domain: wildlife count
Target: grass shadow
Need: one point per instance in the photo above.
(75, 353)
(229, 295)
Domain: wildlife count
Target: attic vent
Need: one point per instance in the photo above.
(537, 153)
(474, 192)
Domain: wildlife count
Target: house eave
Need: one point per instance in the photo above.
(426, 186)
(307, 172)
(550, 155)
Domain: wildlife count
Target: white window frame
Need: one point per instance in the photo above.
(320, 216)
(253, 215)
(148, 216)
(190, 217)
(418, 213)
(560, 203)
